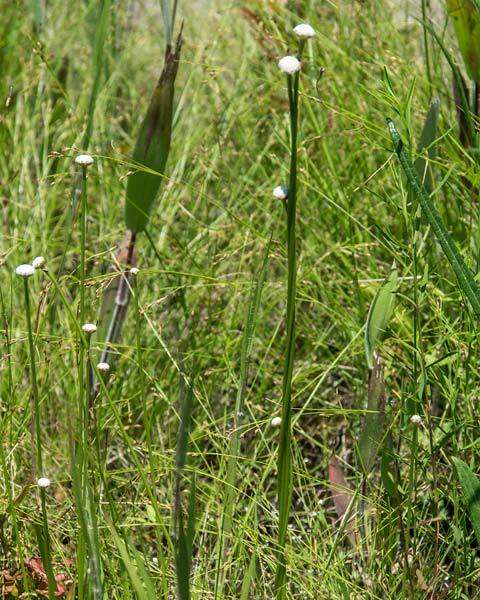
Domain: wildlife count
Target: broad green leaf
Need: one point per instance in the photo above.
(464, 275)
(466, 22)
(427, 142)
(153, 146)
(373, 429)
(471, 493)
(379, 314)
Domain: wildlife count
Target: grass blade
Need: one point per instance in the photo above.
(372, 434)
(379, 314)
(466, 22)
(427, 142)
(234, 447)
(471, 493)
(153, 145)
(183, 535)
(459, 84)
(465, 278)
(99, 44)
(139, 578)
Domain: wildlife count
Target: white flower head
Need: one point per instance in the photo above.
(289, 64)
(38, 262)
(25, 270)
(416, 420)
(103, 366)
(134, 271)
(304, 31)
(84, 160)
(280, 192)
(89, 328)
(43, 482)
(276, 421)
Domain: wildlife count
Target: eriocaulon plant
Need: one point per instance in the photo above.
(291, 66)
(25, 271)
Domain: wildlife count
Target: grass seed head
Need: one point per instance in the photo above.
(25, 270)
(289, 64)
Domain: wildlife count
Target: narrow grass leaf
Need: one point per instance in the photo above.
(142, 592)
(234, 447)
(248, 333)
(153, 145)
(465, 277)
(98, 52)
(459, 85)
(460, 91)
(470, 484)
(183, 534)
(342, 495)
(466, 22)
(379, 314)
(427, 143)
(373, 429)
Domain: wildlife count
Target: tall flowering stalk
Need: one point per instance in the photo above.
(291, 66)
(26, 271)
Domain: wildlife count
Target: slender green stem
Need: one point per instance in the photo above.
(284, 454)
(47, 548)
(36, 431)
(81, 424)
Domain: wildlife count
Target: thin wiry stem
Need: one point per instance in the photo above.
(36, 431)
(284, 454)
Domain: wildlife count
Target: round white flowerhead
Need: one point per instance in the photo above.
(134, 271)
(280, 192)
(38, 262)
(25, 270)
(304, 31)
(84, 160)
(276, 421)
(289, 64)
(89, 327)
(43, 482)
(103, 366)
(416, 420)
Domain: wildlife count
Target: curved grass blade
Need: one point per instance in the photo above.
(135, 567)
(234, 447)
(459, 85)
(427, 142)
(466, 22)
(464, 276)
(98, 50)
(153, 145)
(373, 430)
(379, 314)
(183, 533)
(471, 493)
